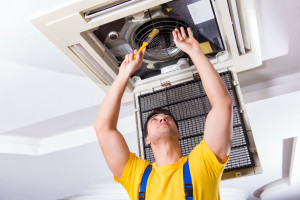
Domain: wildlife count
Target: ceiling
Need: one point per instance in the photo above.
(48, 149)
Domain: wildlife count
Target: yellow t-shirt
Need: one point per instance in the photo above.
(166, 182)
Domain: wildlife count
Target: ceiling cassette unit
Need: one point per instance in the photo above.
(97, 34)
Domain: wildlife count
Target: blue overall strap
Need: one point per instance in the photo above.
(144, 182)
(188, 187)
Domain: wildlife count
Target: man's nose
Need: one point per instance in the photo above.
(162, 119)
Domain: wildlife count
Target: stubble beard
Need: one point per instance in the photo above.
(164, 135)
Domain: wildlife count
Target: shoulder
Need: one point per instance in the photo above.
(204, 160)
(202, 151)
(135, 166)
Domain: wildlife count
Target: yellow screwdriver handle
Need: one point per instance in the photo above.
(142, 47)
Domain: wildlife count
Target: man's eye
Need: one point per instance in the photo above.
(169, 118)
(154, 119)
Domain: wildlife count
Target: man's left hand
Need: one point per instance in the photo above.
(130, 65)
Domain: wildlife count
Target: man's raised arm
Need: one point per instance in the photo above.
(112, 143)
(218, 125)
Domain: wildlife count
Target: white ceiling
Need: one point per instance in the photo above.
(46, 99)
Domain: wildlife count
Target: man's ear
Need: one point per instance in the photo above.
(179, 136)
(147, 140)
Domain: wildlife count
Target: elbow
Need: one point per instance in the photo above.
(229, 146)
(225, 101)
(101, 128)
(228, 102)
(97, 128)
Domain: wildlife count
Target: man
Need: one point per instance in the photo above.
(206, 161)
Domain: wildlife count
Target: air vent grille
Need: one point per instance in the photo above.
(189, 105)
(162, 46)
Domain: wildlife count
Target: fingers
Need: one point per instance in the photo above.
(183, 33)
(140, 54)
(190, 32)
(177, 34)
(130, 56)
(126, 58)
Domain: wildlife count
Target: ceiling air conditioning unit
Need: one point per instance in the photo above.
(97, 34)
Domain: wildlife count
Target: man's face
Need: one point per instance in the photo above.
(161, 125)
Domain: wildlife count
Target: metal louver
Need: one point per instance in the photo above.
(189, 104)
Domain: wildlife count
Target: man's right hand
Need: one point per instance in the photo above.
(130, 65)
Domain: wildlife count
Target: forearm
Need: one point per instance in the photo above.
(218, 125)
(212, 82)
(109, 110)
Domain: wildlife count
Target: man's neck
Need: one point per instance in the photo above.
(166, 153)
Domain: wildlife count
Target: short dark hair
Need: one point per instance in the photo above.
(155, 112)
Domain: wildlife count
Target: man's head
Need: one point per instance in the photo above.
(160, 121)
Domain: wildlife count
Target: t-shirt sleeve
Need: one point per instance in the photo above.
(132, 175)
(205, 161)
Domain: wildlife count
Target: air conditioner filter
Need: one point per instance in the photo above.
(189, 105)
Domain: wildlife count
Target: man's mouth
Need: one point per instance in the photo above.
(163, 123)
